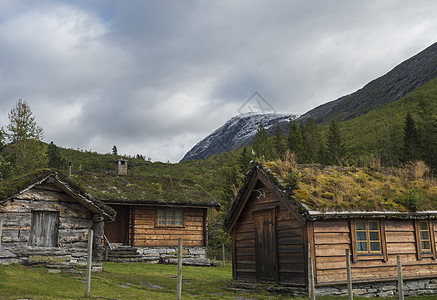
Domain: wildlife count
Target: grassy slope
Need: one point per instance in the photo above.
(126, 281)
(367, 134)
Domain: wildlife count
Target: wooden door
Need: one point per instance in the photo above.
(117, 231)
(265, 245)
(44, 231)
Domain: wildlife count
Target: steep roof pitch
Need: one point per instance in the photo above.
(150, 190)
(319, 192)
(17, 185)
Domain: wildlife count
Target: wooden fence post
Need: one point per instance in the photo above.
(1, 231)
(179, 283)
(89, 263)
(349, 274)
(311, 287)
(400, 281)
(223, 255)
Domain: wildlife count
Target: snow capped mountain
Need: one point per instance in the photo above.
(236, 133)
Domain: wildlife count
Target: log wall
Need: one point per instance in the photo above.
(289, 238)
(148, 234)
(331, 238)
(74, 222)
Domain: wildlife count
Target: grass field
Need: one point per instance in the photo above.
(128, 281)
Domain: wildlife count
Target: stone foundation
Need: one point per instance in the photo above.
(159, 254)
(195, 255)
(52, 257)
(412, 287)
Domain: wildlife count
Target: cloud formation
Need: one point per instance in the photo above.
(155, 77)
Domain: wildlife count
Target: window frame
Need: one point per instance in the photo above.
(173, 210)
(427, 253)
(361, 255)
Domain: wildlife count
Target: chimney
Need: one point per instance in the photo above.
(121, 167)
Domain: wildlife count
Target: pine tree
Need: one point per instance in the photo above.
(261, 144)
(26, 151)
(114, 150)
(428, 134)
(278, 142)
(311, 141)
(294, 140)
(410, 139)
(244, 161)
(335, 148)
(22, 125)
(55, 160)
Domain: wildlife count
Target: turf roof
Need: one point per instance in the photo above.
(151, 190)
(13, 186)
(338, 189)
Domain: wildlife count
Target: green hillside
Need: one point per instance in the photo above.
(380, 132)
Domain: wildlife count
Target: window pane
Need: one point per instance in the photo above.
(375, 246)
(373, 225)
(361, 235)
(170, 216)
(362, 246)
(161, 217)
(360, 225)
(423, 225)
(178, 217)
(374, 235)
(424, 235)
(426, 245)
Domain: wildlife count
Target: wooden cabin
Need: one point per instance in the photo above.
(153, 213)
(284, 215)
(45, 220)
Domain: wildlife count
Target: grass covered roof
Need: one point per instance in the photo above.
(13, 186)
(109, 187)
(333, 188)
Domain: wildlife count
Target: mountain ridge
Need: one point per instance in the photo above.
(403, 79)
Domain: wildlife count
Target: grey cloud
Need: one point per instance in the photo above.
(157, 76)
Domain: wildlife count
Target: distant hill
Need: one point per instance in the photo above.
(234, 134)
(399, 82)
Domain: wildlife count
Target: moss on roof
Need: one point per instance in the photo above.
(109, 187)
(13, 186)
(333, 188)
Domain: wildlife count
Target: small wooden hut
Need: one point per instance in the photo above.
(152, 214)
(45, 220)
(284, 215)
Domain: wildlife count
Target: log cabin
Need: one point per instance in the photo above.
(287, 213)
(45, 219)
(152, 214)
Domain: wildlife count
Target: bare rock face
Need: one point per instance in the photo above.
(399, 82)
(236, 133)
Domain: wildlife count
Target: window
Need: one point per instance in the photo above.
(424, 231)
(368, 237)
(368, 240)
(170, 217)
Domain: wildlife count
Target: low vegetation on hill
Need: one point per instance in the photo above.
(334, 188)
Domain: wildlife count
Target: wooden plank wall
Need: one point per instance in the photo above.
(331, 238)
(289, 233)
(147, 234)
(74, 218)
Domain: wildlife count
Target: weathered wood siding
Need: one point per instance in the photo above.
(148, 234)
(289, 239)
(73, 221)
(331, 238)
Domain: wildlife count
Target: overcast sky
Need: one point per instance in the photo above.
(155, 77)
